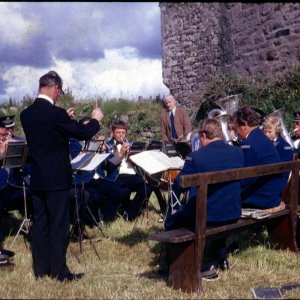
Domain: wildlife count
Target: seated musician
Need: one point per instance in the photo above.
(123, 172)
(103, 197)
(223, 201)
(259, 192)
(11, 191)
(273, 130)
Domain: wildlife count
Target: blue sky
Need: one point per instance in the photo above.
(104, 49)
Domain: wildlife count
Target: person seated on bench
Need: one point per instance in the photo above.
(11, 192)
(223, 201)
(259, 192)
(273, 130)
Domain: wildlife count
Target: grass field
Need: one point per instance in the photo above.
(128, 264)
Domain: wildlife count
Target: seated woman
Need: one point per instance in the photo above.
(273, 130)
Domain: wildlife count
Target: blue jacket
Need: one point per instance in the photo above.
(284, 149)
(266, 191)
(224, 202)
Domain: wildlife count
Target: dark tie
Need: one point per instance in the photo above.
(173, 131)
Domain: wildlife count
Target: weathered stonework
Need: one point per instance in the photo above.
(201, 41)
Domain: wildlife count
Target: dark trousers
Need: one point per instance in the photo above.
(110, 197)
(134, 183)
(12, 198)
(50, 232)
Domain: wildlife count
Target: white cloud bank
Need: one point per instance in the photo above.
(107, 50)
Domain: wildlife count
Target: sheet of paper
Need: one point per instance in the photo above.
(155, 161)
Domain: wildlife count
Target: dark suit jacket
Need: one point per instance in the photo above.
(182, 124)
(48, 129)
(265, 191)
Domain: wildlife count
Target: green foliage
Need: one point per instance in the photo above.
(259, 92)
(267, 95)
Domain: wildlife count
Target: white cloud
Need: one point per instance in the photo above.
(121, 73)
(101, 49)
(15, 29)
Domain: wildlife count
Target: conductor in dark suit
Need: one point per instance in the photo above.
(48, 129)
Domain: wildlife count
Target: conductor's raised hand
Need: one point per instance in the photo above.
(97, 114)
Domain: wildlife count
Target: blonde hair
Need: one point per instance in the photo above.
(273, 122)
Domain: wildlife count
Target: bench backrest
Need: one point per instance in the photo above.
(202, 180)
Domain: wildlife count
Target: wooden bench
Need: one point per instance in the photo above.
(185, 248)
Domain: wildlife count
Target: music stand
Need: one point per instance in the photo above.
(89, 162)
(15, 157)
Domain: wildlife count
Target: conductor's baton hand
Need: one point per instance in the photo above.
(97, 114)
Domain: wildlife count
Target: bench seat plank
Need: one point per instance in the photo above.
(173, 236)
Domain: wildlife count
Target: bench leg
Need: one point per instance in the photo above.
(282, 232)
(184, 274)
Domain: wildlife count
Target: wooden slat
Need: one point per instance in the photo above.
(173, 236)
(238, 173)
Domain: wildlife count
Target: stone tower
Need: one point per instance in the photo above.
(200, 41)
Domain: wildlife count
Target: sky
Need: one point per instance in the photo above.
(104, 49)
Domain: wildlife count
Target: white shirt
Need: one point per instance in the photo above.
(125, 167)
(46, 98)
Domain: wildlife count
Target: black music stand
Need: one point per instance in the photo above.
(85, 164)
(15, 157)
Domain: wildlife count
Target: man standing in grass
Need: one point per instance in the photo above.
(48, 129)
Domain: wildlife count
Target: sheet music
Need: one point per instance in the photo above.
(155, 161)
(88, 161)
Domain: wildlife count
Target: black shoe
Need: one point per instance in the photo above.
(208, 273)
(223, 264)
(163, 272)
(7, 252)
(70, 277)
(7, 265)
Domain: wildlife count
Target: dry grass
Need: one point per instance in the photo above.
(128, 264)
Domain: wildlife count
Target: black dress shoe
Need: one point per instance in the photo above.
(70, 277)
(7, 252)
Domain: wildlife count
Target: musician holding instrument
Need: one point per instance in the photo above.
(121, 171)
(11, 192)
(102, 196)
(175, 123)
(223, 201)
(273, 130)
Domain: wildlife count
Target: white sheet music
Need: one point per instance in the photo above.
(88, 161)
(155, 161)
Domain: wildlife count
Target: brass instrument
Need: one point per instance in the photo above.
(227, 106)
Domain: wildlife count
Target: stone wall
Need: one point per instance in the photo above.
(200, 41)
